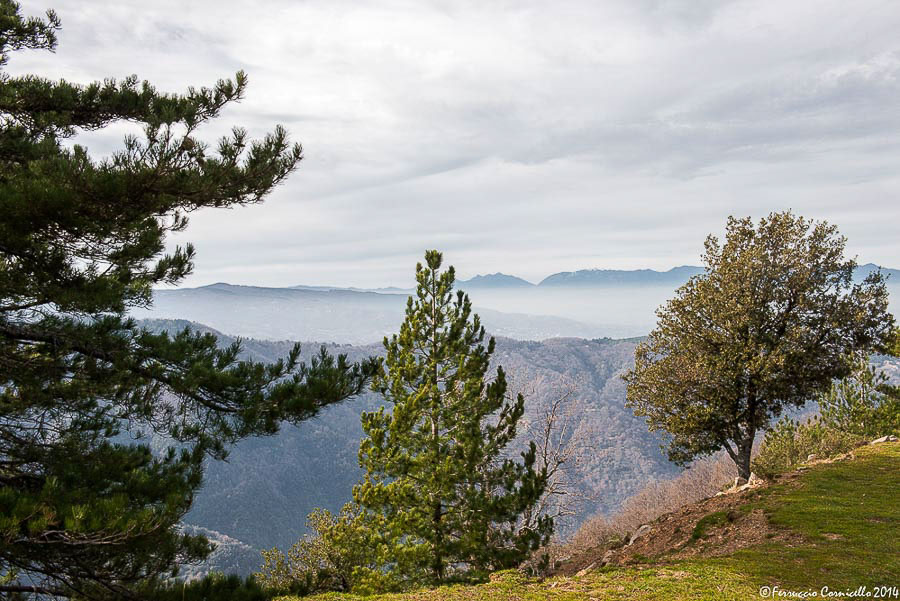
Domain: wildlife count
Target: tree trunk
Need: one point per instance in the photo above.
(437, 565)
(740, 454)
(744, 449)
(743, 462)
(438, 559)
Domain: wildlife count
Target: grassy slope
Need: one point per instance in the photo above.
(847, 512)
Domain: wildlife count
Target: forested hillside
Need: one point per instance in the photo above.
(261, 496)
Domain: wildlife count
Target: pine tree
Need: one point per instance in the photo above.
(436, 480)
(864, 403)
(773, 320)
(84, 509)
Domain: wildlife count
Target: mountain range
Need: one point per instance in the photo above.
(583, 304)
(593, 277)
(495, 280)
(333, 315)
(611, 277)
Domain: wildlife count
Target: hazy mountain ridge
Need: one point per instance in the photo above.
(229, 556)
(494, 280)
(599, 277)
(892, 275)
(614, 304)
(345, 316)
(606, 277)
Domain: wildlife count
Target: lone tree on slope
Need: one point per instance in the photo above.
(773, 320)
(85, 512)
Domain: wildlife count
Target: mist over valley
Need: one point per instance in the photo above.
(583, 304)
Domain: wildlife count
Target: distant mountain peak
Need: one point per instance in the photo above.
(862, 271)
(495, 280)
(593, 277)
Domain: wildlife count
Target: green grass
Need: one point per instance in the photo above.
(846, 518)
(665, 582)
(849, 513)
(713, 520)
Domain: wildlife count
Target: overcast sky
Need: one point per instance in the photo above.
(523, 137)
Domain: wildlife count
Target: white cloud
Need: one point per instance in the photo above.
(527, 137)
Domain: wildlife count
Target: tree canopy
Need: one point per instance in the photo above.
(775, 317)
(85, 508)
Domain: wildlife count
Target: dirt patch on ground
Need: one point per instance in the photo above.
(716, 526)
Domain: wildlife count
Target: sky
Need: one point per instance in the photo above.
(517, 136)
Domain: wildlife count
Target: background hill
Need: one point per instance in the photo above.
(605, 277)
(332, 315)
(892, 275)
(494, 280)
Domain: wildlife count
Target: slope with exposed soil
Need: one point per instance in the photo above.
(712, 527)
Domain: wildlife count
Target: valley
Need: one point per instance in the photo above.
(260, 497)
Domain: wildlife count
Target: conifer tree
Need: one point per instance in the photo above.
(864, 403)
(437, 482)
(84, 509)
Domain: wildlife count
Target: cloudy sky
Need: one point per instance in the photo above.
(520, 136)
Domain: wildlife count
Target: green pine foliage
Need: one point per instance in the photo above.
(773, 320)
(85, 510)
(212, 587)
(864, 403)
(438, 487)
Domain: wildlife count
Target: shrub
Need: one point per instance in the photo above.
(339, 554)
(703, 479)
(213, 587)
(314, 563)
(789, 443)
